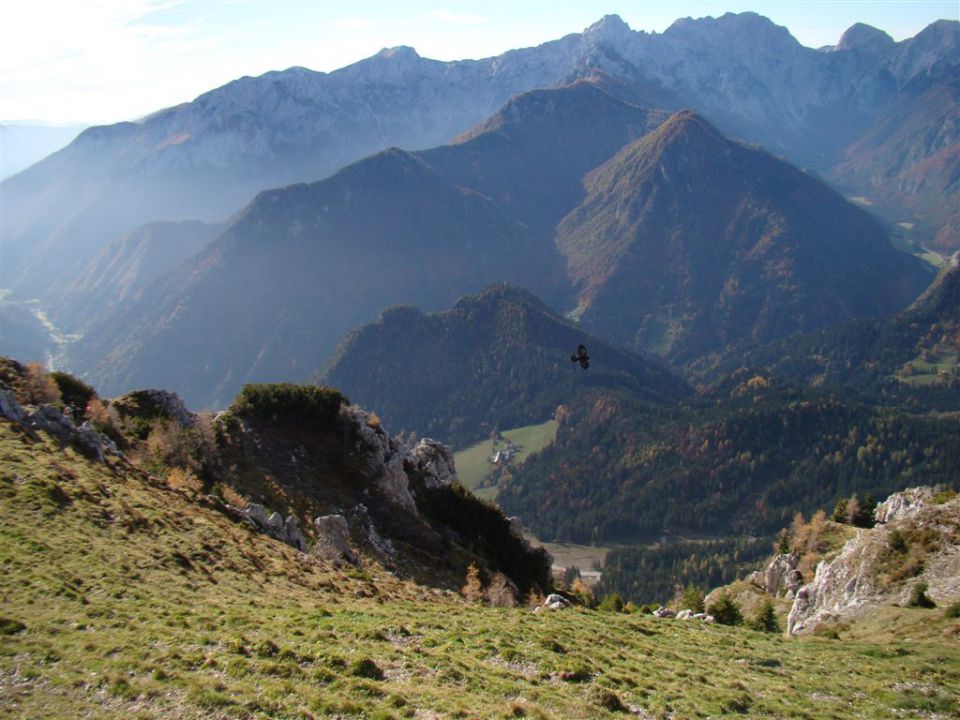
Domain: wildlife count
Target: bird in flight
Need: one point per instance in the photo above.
(581, 357)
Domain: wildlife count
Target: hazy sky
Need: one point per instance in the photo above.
(99, 61)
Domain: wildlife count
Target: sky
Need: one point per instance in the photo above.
(104, 61)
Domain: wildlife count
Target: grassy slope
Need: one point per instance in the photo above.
(123, 598)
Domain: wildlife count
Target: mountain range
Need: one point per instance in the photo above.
(825, 109)
(300, 266)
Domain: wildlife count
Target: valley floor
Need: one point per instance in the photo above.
(122, 597)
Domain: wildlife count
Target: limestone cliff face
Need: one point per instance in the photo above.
(916, 540)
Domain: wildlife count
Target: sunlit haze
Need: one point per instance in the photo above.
(112, 60)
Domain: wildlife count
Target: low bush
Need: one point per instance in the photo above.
(692, 599)
(726, 611)
(766, 618)
(366, 668)
(289, 402)
(919, 597)
(611, 603)
(73, 392)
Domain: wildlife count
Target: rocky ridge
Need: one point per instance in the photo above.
(339, 490)
(869, 571)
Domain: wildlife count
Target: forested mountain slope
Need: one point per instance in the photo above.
(496, 360)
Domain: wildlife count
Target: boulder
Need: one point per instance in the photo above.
(259, 516)
(395, 484)
(293, 534)
(94, 443)
(9, 407)
(435, 461)
(556, 602)
(685, 615)
(663, 612)
(333, 539)
(285, 530)
(275, 522)
(903, 504)
(53, 421)
(776, 574)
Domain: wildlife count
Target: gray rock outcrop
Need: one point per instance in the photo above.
(780, 575)
(385, 458)
(435, 461)
(333, 539)
(285, 530)
(9, 407)
(903, 504)
(157, 403)
(58, 424)
(861, 576)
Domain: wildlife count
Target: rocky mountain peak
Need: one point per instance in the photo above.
(401, 53)
(735, 29)
(610, 29)
(861, 35)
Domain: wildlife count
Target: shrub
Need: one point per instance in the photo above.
(766, 618)
(9, 626)
(73, 392)
(942, 496)
(569, 575)
(293, 403)
(897, 542)
(582, 592)
(840, 511)
(366, 668)
(953, 611)
(692, 599)
(501, 592)
(611, 603)
(97, 413)
(919, 597)
(726, 611)
(607, 699)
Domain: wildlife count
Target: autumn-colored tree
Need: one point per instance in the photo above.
(97, 413)
(473, 589)
(40, 387)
